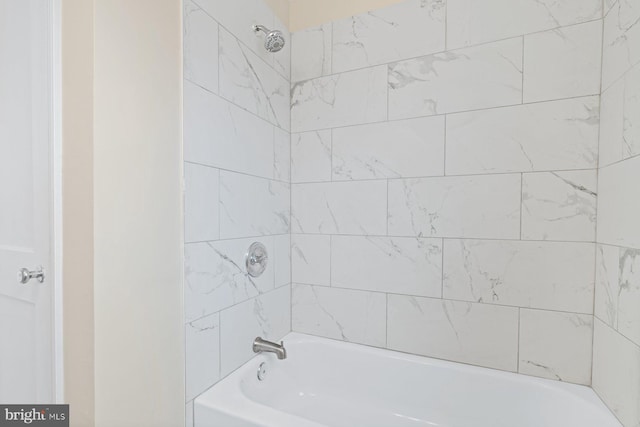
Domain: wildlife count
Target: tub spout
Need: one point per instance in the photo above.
(260, 346)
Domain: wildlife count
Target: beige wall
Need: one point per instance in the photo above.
(139, 333)
(281, 9)
(77, 163)
(308, 13)
(122, 109)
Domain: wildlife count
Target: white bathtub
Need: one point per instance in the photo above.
(334, 384)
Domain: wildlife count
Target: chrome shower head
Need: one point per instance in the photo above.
(274, 41)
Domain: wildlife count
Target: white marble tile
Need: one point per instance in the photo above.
(559, 205)
(556, 345)
(339, 100)
(406, 148)
(563, 63)
(619, 204)
(251, 83)
(358, 207)
(352, 316)
(251, 206)
(620, 127)
(282, 59)
(311, 156)
(188, 422)
(616, 373)
(200, 47)
(608, 4)
(631, 113)
(612, 123)
(266, 316)
(607, 284)
(400, 265)
(467, 79)
(545, 275)
(239, 17)
(483, 206)
(282, 155)
(621, 40)
(478, 334)
(282, 259)
(471, 22)
(311, 50)
(311, 259)
(556, 135)
(389, 34)
(216, 278)
(201, 217)
(202, 356)
(629, 295)
(219, 134)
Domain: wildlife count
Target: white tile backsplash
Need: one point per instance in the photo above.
(358, 207)
(248, 81)
(619, 204)
(556, 345)
(410, 266)
(557, 135)
(200, 47)
(220, 134)
(311, 259)
(202, 339)
(389, 34)
(483, 206)
(237, 152)
(563, 63)
(266, 316)
(201, 200)
(339, 100)
(404, 148)
(441, 196)
(311, 156)
(478, 334)
(546, 275)
(216, 278)
(311, 50)
(251, 206)
(559, 205)
(467, 79)
(616, 373)
(352, 316)
(621, 44)
(471, 22)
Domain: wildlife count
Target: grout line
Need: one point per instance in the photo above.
(522, 83)
(444, 167)
(521, 202)
(436, 298)
(475, 110)
(439, 52)
(413, 237)
(518, 349)
(231, 171)
(413, 177)
(240, 107)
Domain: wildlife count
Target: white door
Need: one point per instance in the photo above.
(26, 324)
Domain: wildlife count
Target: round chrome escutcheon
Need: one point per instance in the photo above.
(256, 259)
(262, 371)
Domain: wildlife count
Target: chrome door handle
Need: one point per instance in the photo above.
(24, 275)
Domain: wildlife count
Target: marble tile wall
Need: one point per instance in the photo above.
(616, 353)
(444, 183)
(237, 187)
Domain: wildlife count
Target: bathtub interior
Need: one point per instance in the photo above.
(336, 384)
